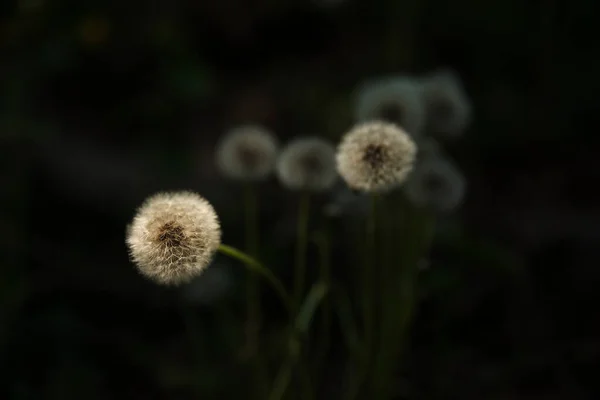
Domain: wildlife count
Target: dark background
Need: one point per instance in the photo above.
(103, 103)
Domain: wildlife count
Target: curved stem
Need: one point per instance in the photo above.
(257, 267)
(301, 245)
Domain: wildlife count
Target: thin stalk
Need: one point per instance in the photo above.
(301, 247)
(299, 329)
(368, 277)
(253, 306)
(399, 302)
(282, 380)
(252, 287)
(368, 295)
(258, 268)
(324, 246)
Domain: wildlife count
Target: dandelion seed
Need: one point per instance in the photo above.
(247, 153)
(307, 164)
(436, 183)
(448, 109)
(375, 156)
(173, 237)
(396, 100)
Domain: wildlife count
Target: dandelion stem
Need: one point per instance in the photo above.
(252, 288)
(368, 272)
(323, 243)
(257, 267)
(253, 307)
(301, 246)
(300, 327)
(399, 292)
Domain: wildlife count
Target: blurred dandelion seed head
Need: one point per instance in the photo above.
(447, 106)
(396, 100)
(436, 183)
(307, 164)
(173, 237)
(247, 153)
(375, 156)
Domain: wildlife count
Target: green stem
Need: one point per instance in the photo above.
(324, 246)
(301, 246)
(253, 307)
(252, 287)
(369, 272)
(368, 304)
(301, 324)
(258, 268)
(399, 302)
(282, 380)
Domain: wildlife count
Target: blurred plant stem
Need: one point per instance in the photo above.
(256, 267)
(398, 286)
(369, 278)
(366, 281)
(252, 345)
(253, 288)
(301, 247)
(323, 241)
(299, 330)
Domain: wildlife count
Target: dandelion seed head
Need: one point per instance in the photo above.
(173, 237)
(375, 156)
(396, 100)
(307, 164)
(448, 109)
(247, 153)
(436, 183)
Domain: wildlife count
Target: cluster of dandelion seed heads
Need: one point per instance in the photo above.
(436, 183)
(173, 237)
(396, 100)
(375, 156)
(307, 164)
(448, 109)
(247, 153)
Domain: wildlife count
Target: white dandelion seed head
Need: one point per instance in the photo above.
(307, 164)
(436, 183)
(247, 153)
(447, 106)
(375, 156)
(173, 237)
(396, 100)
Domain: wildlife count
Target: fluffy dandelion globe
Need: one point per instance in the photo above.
(447, 106)
(307, 164)
(173, 237)
(436, 183)
(247, 153)
(396, 100)
(375, 156)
